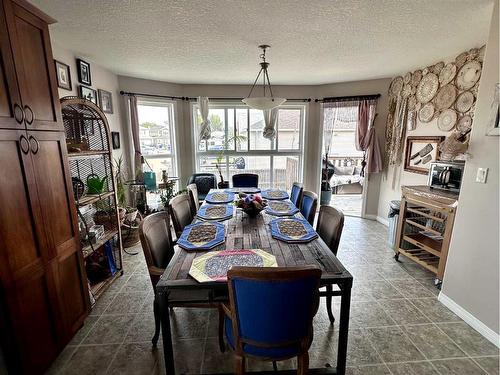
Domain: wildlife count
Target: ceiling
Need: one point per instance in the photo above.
(313, 42)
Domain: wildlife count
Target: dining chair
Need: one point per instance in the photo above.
(204, 182)
(181, 212)
(308, 205)
(245, 180)
(279, 326)
(329, 228)
(296, 193)
(193, 198)
(158, 248)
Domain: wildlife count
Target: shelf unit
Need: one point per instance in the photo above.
(425, 225)
(88, 141)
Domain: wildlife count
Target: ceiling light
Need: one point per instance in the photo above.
(263, 102)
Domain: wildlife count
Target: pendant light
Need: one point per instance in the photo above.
(263, 102)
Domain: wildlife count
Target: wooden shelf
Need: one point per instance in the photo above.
(421, 257)
(425, 214)
(99, 288)
(108, 234)
(92, 198)
(421, 226)
(424, 242)
(87, 153)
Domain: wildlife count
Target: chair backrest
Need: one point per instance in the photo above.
(156, 241)
(288, 300)
(246, 180)
(193, 196)
(180, 211)
(296, 193)
(329, 226)
(309, 205)
(204, 182)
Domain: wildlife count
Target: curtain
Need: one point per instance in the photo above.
(270, 117)
(134, 127)
(366, 137)
(205, 131)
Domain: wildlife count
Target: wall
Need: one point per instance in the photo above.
(101, 79)
(471, 280)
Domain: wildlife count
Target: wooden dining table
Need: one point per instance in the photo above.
(176, 286)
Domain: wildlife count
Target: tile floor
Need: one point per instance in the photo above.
(397, 325)
(350, 204)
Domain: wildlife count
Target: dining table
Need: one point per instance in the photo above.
(176, 286)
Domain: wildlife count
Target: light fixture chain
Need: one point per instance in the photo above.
(268, 81)
(254, 82)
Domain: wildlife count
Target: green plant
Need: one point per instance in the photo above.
(167, 194)
(237, 139)
(120, 177)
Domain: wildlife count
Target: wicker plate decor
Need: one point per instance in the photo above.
(219, 197)
(461, 59)
(447, 74)
(464, 124)
(396, 86)
(213, 266)
(468, 75)
(416, 77)
(292, 230)
(202, 236)
(218, 212)
(274, 194)
(447, 120)
(445, 97)
(426, 113)
(281, 208)
(436, 69)
(464, 101)
(407, 78)
(427, 88)
(480, 54)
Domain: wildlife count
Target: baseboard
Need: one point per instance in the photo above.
(370, 217)
(470, 319)
(383, 220)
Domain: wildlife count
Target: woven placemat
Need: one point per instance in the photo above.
(279, 206)
(292, 228)
(215, 211)
(202, 233)
(219, 265)
(275, 194)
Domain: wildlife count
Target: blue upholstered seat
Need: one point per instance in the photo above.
(246, 180)
(308, 206)
(296, 194)
(204, 182)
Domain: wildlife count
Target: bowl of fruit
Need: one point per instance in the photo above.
(251, 204)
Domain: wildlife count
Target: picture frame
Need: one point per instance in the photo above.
(83, 70)
(420, 152)
(105, 101)
(63, 75)
(115, 140)
(88, 93)
(494, 116)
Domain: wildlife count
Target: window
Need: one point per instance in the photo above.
(156, 134)
(340, 131)
(237, 144)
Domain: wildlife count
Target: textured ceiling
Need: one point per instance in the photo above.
(313, 41)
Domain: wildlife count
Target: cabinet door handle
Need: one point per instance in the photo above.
(28, 115)
(35, 146)
(18, 113)
(24, 144)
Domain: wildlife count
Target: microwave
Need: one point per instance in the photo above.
(446, 176)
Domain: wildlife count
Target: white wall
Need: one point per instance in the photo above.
(472, 271)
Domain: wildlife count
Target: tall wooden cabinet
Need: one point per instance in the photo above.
(43, 289)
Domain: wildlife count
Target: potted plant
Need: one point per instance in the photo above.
(222, 153)
(124, 212)
(326, 189)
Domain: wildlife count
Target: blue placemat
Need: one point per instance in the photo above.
(281, 208)
(292, 230)
(217, 197)
(202, 236)
(246, 190)
(274, 194)
(217, 212)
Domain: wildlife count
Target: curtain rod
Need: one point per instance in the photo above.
(348, 98)
(186, 98)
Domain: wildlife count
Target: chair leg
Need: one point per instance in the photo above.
(275, 366)
(303, 364)
(329, 289)
(239, 362)
(222, 346)
(156, 310)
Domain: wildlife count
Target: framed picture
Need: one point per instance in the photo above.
(63, 75)
(421, 152)
(494, 119)
(105, 101)
(83, 69)
(115, 140)
(88, 93)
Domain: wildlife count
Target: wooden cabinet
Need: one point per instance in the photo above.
(43, 289)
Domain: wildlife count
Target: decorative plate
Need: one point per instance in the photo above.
(396, 86)
(464, 101)
(406, 92)
(274, 194)
(416, 77)
(219, 197)
(411, 123)
(468, 75)
(425, 71)
(407, 78)
(202, 236)
(246, 190)
(218, 212)
(461, 59)
(472, 54)
(447, 74)
(446, 97)
(281, 208)
(426, 113)
(293, 230)
(475, 89)
(427, 88)
(412, 102)
(480, 55)
(447, 120)
(213, 266)
(436, 69)
(464, 124)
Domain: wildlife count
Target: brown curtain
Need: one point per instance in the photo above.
(134, 126)
(366, 137)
